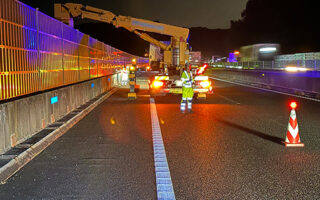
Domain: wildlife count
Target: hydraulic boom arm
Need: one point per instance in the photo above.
(179, 35)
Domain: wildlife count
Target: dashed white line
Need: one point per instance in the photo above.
(163, 178)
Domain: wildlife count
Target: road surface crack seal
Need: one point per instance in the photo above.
(163, 178)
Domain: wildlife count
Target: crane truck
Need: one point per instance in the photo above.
(175, 54)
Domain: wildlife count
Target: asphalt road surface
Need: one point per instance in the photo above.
(229, 147)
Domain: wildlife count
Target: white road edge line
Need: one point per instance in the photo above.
(163, 178)
(284, 93)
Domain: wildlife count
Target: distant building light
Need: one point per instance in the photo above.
(268, 49)
(54, 100)
(295, 69)
(232, 57)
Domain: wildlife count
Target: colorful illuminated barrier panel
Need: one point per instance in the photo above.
(38, 52)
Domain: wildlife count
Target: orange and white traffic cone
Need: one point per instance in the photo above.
(293, 138)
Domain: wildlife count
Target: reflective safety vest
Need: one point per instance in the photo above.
(186, 79)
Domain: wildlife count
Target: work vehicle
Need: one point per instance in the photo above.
(162, 84)
(175, 52)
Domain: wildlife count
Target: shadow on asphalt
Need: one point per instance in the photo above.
(273, 139)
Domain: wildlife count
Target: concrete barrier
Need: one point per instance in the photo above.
(20, 119)
(301, 83)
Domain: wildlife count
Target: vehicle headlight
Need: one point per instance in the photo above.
(157, 84)
(205, 84)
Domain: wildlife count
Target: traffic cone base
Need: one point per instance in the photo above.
(293, 145)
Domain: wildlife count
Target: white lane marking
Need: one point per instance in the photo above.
(284, 93)
(228, 99)
(163, 178)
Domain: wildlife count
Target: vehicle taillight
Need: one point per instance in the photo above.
(205, 84)
(157, 84)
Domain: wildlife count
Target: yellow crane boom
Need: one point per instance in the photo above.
(179, 35)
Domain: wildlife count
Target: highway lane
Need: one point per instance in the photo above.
(228, 148)
(107, 155)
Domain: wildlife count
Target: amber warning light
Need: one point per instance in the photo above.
(157, 84)
(293, 105)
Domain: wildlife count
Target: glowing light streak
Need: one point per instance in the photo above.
(18, 72)
(296, 69)
(268, 49)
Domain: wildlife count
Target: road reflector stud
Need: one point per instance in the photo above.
(293, 137)
(52, 118)
(202, 96)
(43, 123)
(132, 95)
(14, 140)
(112, 121)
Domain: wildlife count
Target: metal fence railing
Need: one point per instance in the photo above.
(38, 52)
(312, 65)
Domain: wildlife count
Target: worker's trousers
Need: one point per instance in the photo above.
(187, 95)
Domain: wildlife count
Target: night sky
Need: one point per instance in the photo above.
(187, 13)
(216, 26)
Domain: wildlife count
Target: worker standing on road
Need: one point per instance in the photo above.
(187, 90)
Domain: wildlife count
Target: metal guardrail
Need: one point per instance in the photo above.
(313, 65)
(38, 52)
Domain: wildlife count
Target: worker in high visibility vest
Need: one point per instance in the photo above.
(187, 90)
